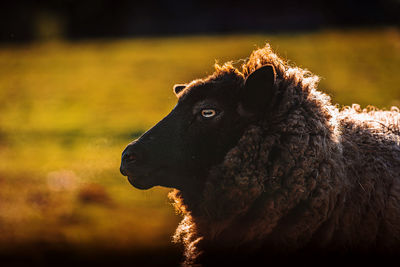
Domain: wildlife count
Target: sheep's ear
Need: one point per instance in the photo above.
(178, 88)
(258, 90)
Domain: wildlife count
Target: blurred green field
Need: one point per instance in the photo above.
(67, 110)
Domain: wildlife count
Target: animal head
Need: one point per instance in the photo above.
(208, 120)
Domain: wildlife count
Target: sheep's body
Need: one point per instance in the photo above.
(305, 177)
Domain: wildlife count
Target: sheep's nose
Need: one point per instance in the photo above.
(128, 156)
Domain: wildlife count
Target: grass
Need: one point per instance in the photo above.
(67, 110)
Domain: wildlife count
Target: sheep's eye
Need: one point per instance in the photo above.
(208, 113)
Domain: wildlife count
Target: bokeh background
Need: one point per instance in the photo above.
(81, 79)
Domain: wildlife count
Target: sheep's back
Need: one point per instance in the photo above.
(371, 153)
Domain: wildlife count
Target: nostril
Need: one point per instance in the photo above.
(129, 157)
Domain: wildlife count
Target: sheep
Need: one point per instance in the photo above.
(263, 164)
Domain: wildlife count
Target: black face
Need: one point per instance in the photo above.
(179, 151)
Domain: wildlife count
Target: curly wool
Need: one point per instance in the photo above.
(305, 176)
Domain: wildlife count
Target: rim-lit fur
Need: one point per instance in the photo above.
(305, 176)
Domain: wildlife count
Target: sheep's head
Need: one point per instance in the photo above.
(208, 120)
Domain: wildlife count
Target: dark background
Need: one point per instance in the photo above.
(22, 21)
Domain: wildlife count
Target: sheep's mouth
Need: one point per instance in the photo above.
(140, 178)
(146, 180)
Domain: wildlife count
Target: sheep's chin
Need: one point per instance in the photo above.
(142, 184)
